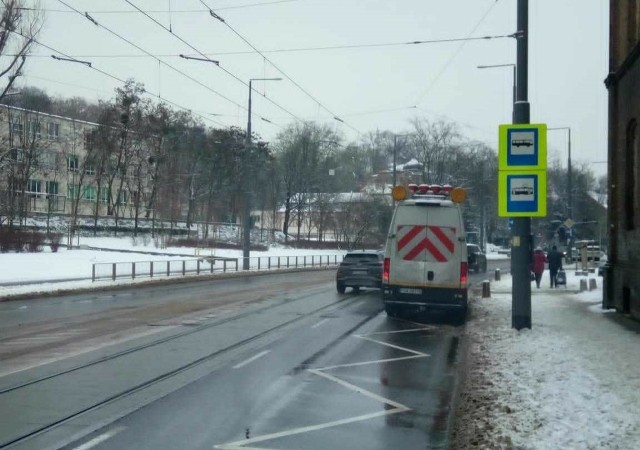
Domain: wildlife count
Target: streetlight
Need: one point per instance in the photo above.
(514, 80)
(246, 241)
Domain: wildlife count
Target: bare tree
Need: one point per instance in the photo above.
(20, 23)
(434, 144)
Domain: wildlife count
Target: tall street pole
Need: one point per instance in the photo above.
(248, 180)
(395, 156)
(246, 237)
(521, 240)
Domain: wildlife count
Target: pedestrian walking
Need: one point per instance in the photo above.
(555, 263)
(538, 265)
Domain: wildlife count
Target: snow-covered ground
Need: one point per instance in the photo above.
(571, 382)
(22, 273)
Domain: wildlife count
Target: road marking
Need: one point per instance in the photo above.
(23, 307)
(252, 359)
(319, 323)
(246, 444)
(100, 439)
(400, 331)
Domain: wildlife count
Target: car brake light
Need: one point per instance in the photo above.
(464, 271)
(386, 269)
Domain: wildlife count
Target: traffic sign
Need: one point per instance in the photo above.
(522, 194)
(522, 147)
(569, 223)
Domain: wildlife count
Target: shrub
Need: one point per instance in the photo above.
(34, 241)
(54, 241)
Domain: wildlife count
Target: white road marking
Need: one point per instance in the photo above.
(252, 359)
(319, 323)
(23, 307)
(397, 407)
(100, 439)
(399, 331)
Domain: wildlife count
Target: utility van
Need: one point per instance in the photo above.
(425, 260)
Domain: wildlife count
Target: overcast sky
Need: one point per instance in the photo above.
(370, 88)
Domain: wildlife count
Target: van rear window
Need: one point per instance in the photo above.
(364, 257)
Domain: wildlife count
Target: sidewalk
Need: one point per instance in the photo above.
(571, 382)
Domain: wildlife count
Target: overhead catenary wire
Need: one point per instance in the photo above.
(114, 77)
(159, 11)
(277, 105)
(305, 49)
(91, 19)
(456, 52)
(217, 17)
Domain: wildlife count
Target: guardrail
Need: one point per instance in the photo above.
(182, 267)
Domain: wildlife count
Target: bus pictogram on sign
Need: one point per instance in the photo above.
(425, 243)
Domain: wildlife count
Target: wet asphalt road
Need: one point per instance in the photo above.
(344, 376)
(353, 379)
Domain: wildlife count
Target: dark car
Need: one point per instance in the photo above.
(361, 268)
(476, 259)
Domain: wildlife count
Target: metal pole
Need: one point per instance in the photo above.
(395, 156)
(521, 241)
(246, 241)
(515, 94)
(569, 180)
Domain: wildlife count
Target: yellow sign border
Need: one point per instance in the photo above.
(541, 210)
(503, 147)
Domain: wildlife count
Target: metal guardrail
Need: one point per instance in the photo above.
(182, 267)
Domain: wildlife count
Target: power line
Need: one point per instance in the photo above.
(91, 19)
(70, 58)
(215, 16)
(208, 59)
(456, 52)
(309, 49)
(160, 11)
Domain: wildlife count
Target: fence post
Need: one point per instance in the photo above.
(258, 262)
(113, 272)
(133, 270)
(269, 262)
(278, 262)
(168, 268)
(236, 264)
(313, 260)
(197, 267)
(287, 262)
(184, 264)
(151, 269)
(224, 265)
(211, 263)
(296, 261)
(305, 261)
(93, 273)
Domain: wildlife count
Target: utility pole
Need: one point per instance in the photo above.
(521, 240)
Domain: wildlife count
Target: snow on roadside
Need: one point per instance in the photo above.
(570, 382)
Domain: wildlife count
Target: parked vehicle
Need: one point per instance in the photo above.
(476, 258)
(425, 258)
(360, 268)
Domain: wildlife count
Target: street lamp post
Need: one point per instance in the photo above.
(246, 239)
(514, 82)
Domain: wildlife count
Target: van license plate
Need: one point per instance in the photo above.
(359, 272)
(410, 291)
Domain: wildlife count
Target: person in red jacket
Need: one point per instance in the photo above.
(538, 265)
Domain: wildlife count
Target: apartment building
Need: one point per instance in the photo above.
(55, 165)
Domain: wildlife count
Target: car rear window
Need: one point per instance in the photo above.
(361, 257)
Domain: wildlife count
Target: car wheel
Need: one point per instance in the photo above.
(341, 288)
(356, 289)
(392, 311)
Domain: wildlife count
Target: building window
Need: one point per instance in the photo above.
(53, 130)
(17, 154)
(123, 198)
(34, 129)
(88, 139)
(89, 193)
(630, 174)
(16, 127)
(35, 186)
(89, 170)
(104, 195)
(72, 191)
(72, 163)
(52, 187)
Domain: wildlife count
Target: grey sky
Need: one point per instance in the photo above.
(568, 62)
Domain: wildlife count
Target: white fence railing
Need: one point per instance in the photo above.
(181, 267)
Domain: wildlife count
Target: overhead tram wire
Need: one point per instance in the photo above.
(277, 105)
(92, 20)
(457, 51)
(305, 49)
(161, 11)
(335, 116)
(114, 77)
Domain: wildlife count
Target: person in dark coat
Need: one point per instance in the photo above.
(555, 263)
(538, 265)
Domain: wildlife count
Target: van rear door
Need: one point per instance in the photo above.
(428, 252)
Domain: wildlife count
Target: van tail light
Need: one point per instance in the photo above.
(464, 272)
(386, 269)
